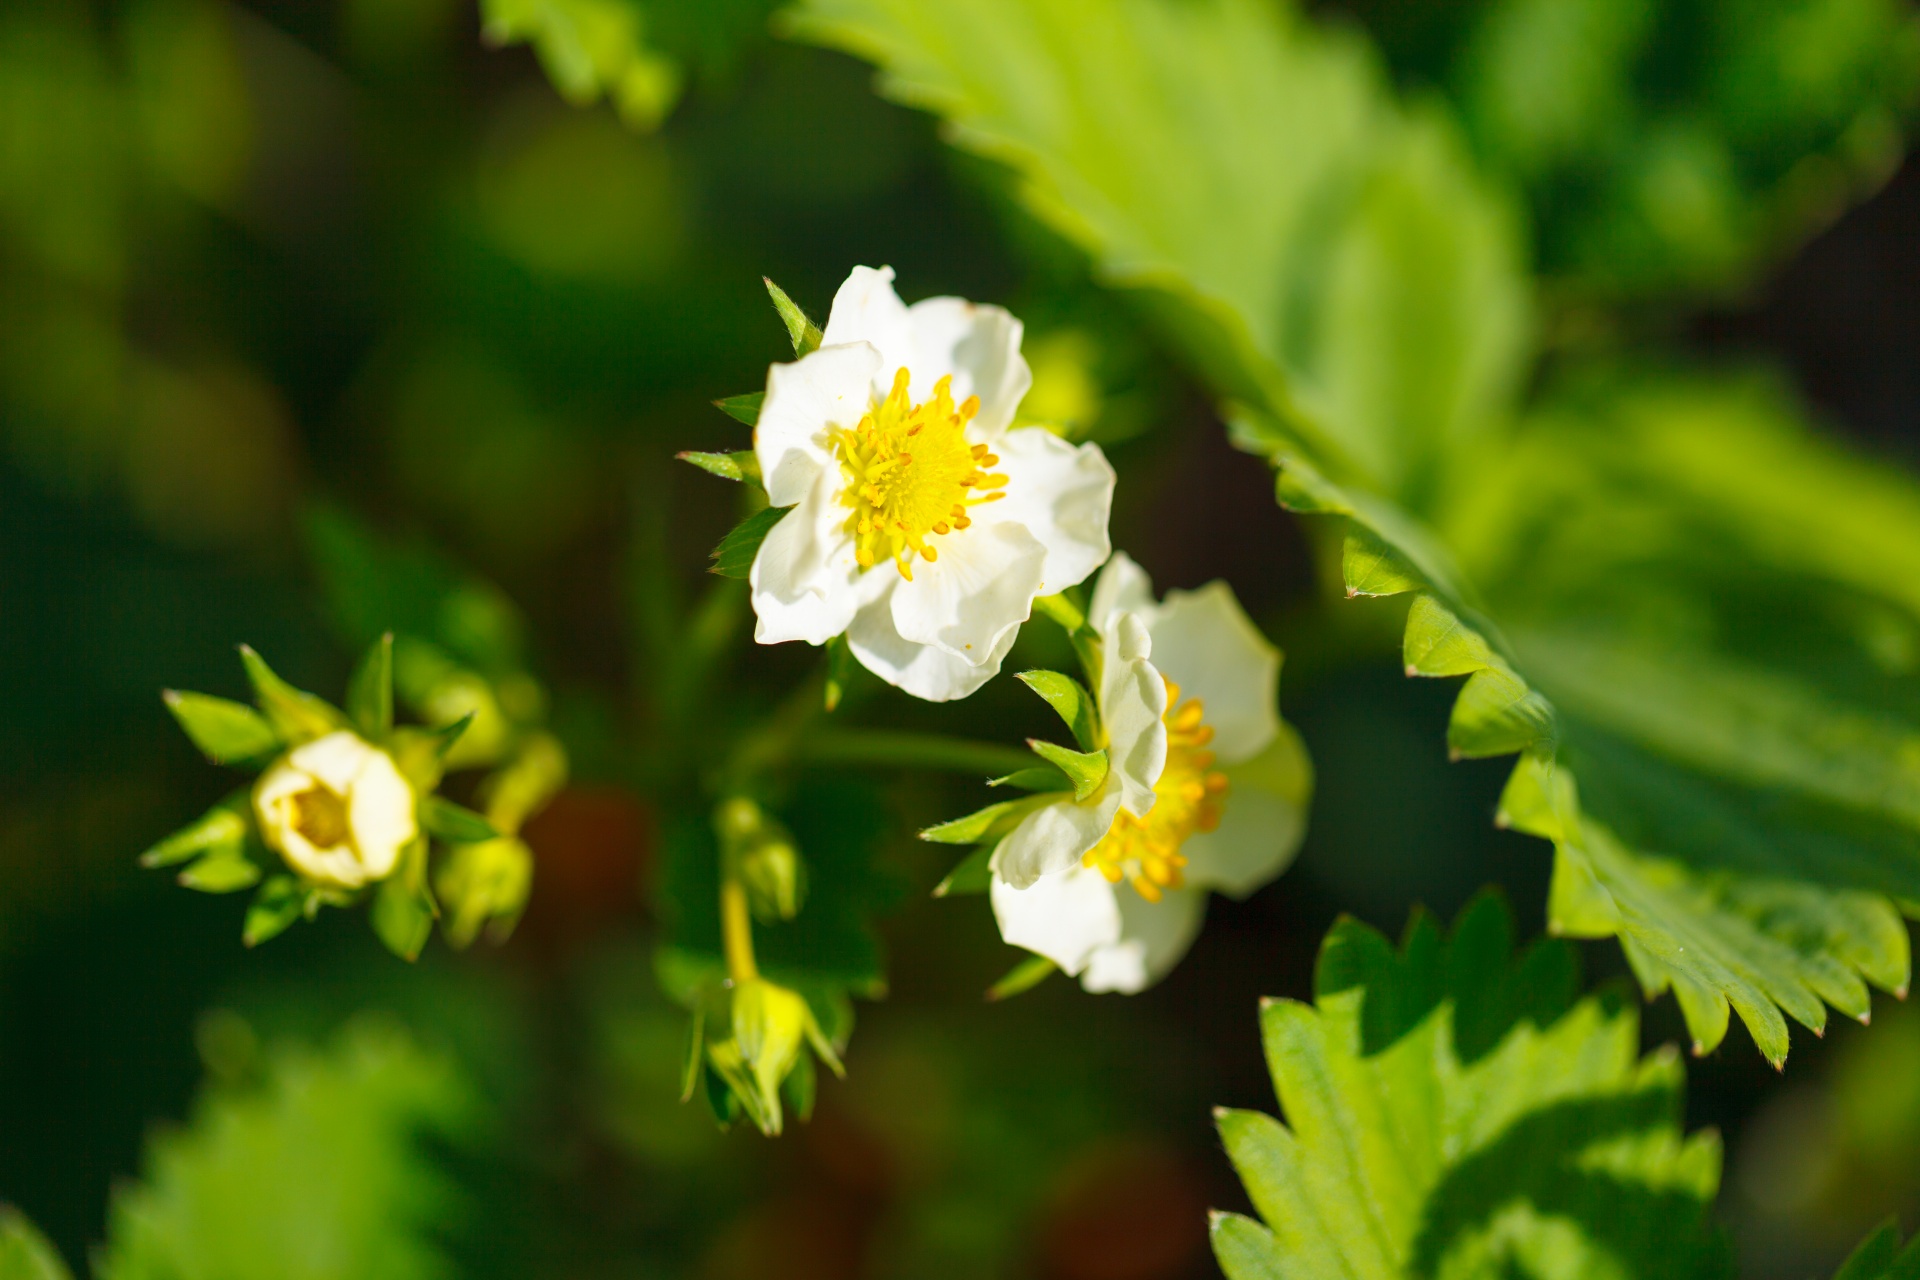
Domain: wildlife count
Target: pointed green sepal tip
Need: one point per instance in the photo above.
(1086, 770)
(805, 334)
(739, 465)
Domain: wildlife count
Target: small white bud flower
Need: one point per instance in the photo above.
(337, 809)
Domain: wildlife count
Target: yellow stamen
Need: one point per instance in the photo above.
(1188, 798)
(898, 500)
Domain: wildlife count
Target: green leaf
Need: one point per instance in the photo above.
(743, 409)
(403, 907)
(225, 868)
(298, 716)
(24, 1252)
(454, 823)
(1070, 700)
(985, 824)
(972, 874)
(733, 558)
(804, 332)
(1022, 978)
(1448, 1113)
(225, 825)
(1880, 1257)
(742, 465)
(276, 906)
(1086, 770)
(591, 48)
(370, 691)
(226, 732)
(325, 1146)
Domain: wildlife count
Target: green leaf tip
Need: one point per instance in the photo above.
(1022, 978)
(733, 558)
(739, 465)
(804, 333)
(1070, 701)
(1086, 770)
(744, 409)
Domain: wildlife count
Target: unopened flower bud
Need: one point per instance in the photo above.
(764, 857)
(770, 1024)
(337, 809)
(484, 884)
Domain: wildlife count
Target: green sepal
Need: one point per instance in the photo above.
(1042, 777)
(280, 902)
(454, 823)
(744, 409)
(298, 715)
(421, 753)
(696, 1051)
(370, 691)
(1022, 978)
(800, 1086)
(804, 332)
(733, 558)
(403, 907)
(721, 1099)
(984, 824)
(24, 1252)
(226, 732)
(225, 868)
(840, 669)
(973, 874)
(1086, 770)
(1071, 701)
(227, 823)
(1880, 1257)
(741, 465)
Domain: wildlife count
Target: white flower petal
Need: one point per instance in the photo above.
(866, 309)
(1206, 644)
(1121, 585)
(1154, 937)
(1063, 493)
(979, 346)
(334, 760)
(829, 387)
(1133, 698)
(923, 670)
(1066, 917)
(1053, 839)
(1261, 825)
(380, 811)
(976, 594)
(805, 578)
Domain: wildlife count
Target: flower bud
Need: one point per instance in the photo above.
(337, 809)
(770, 1023)
(482, 882)
(764, 858)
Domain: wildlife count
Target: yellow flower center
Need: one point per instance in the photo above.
(911, 475)
(1188, 797)
(321, 816)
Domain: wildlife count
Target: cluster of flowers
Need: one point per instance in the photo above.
(925, 528)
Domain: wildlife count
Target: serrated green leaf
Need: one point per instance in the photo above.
(327, 1145)
(1537, 1142)
(226, 732)
(1070, 701)
(24, 1252)
(741, 465)
(226, 824)
(370, 691)
(972, 874)
(743, 409)
(1880, 1257)
(733, 558)
(804, 333)
(454, 823)
(225, 868)
(1086, 770)
(590, 49)
(276, 906)
(296, 715)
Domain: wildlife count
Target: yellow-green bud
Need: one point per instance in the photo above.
(762, 854)
(484, 884)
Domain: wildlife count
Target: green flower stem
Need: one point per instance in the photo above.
(893, 749)
(1066, 610)
(736, 930)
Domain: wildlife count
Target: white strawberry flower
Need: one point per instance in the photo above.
(923, 527)
(337, 809)
(1119, 907)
